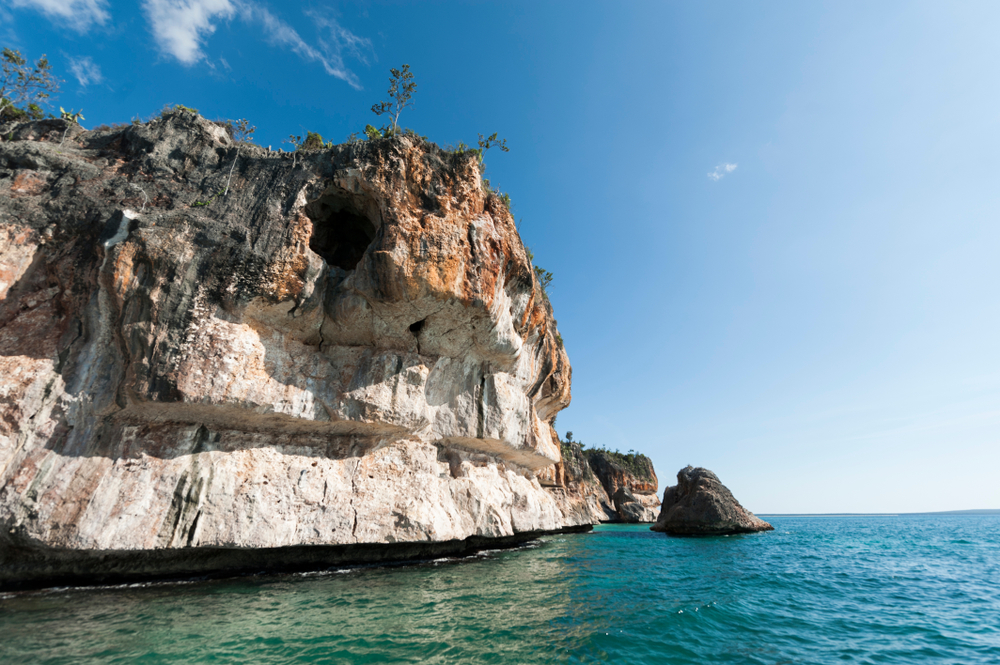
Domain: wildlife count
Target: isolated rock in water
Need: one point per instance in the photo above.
(631, 508)
(701, 505)
(209, 348)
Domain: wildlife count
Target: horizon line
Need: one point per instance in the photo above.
(974, 511)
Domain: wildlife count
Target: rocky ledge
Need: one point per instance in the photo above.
(700, 505)
(210, 347)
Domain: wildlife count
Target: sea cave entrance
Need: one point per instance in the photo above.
(341, 232)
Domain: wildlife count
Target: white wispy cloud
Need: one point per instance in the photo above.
(339, 41)
(76, 14)
(721, 171)
(85, 70)
(331, 49)
(181, 28)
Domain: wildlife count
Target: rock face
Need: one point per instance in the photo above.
(632, 473)
(700, 505)
(207, 346)
(579, 490)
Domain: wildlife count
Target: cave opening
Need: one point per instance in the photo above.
(341, 233)
(415, 328)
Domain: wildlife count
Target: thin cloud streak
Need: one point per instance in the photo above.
(85, 70)
(181, 28)
(78, 15)
(721, 171)
(329, 55)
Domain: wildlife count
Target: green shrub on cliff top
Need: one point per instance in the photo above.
(314, 141)
(24, 87)
(181, 107)
(635, 463)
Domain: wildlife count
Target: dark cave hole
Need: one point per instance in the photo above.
(341, 234)
(415, 328)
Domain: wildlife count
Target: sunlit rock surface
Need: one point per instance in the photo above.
(203, 345)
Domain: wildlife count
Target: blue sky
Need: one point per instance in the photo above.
(773, 226)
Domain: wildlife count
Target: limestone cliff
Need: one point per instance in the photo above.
(578, 489)
(630, 482)
(211, 348)
(605, 486)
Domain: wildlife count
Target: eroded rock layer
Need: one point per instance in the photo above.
(212, 345)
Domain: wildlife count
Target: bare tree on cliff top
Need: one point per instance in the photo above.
(401, 87)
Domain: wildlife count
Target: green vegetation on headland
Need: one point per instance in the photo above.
(635, 463)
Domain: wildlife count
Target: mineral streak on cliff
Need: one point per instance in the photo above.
(206, 348)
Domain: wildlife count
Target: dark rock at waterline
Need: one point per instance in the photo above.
(700, 505)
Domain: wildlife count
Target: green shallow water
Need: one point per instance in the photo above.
(817, 590)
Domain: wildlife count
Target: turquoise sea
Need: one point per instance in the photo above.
(907, 589)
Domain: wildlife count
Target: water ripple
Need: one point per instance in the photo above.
(817, 590)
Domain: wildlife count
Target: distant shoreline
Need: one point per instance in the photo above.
(985, 511)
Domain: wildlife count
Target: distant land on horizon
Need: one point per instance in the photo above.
(979, 511)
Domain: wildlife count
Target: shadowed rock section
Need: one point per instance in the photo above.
(700, 505)
(346, 349)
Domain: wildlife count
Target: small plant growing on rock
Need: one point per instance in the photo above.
(23, 87)
(295, 141)
(401, 88)
(544, 277)
(491, 141)
(240, 130)
(71, 118)
(314, 141)
(485, 143)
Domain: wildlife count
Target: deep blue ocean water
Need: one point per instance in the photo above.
(907, 589)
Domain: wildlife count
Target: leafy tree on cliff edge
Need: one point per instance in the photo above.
(24, 86)
(401, 88)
